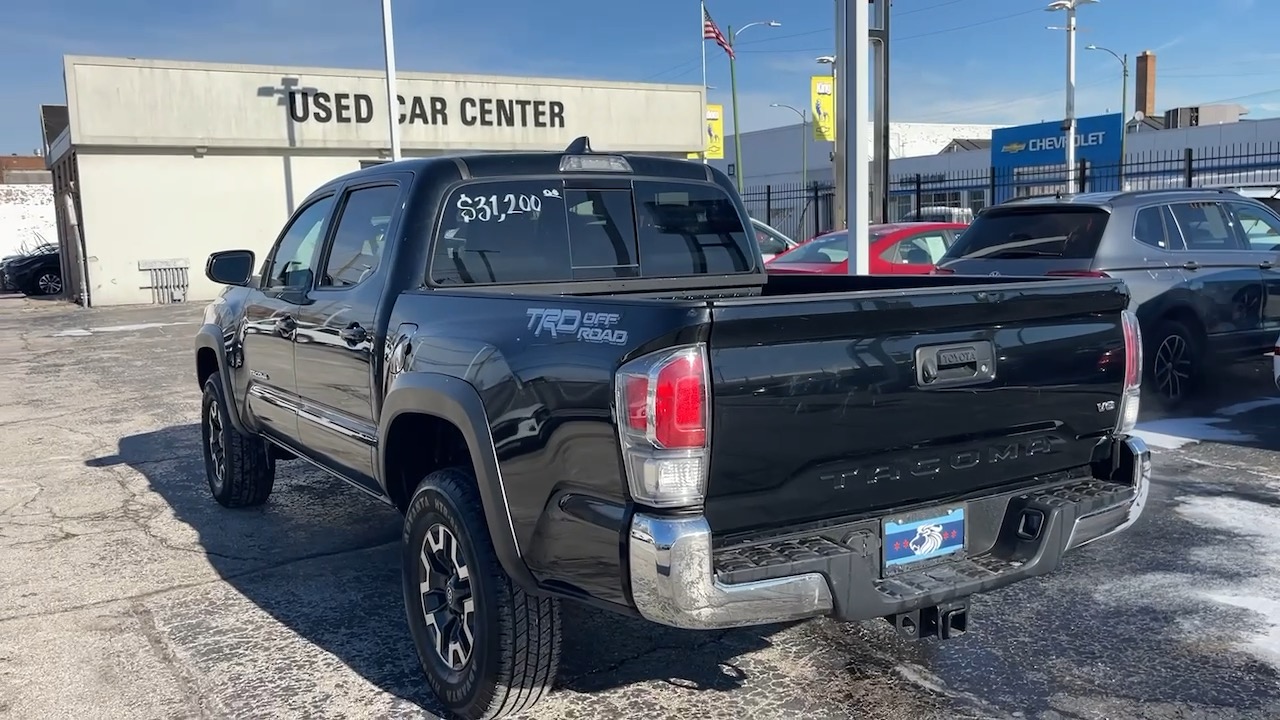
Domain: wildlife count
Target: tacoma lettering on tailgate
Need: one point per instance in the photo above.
(929, 466)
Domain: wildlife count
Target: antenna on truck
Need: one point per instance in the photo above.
(580, 146)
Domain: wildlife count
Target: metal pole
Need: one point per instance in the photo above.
(852, 46)
(733, 92)
(1071, 98)
(393, 104)
(837, 154)
(1124, 116)
(880, 122)
(702, 22)
(804, 148)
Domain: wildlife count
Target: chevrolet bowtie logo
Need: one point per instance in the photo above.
(1014, 147)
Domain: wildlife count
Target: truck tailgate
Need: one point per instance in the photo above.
(842, 404)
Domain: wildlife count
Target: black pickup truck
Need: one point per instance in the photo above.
(572, 375)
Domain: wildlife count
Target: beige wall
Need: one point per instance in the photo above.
(151, 103)
(164, 207)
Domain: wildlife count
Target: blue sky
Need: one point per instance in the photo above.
(961, 61)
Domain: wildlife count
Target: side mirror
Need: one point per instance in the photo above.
(230, 267)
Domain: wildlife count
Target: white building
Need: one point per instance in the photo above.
(164, 162)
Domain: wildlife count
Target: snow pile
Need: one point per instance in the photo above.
(26, 217)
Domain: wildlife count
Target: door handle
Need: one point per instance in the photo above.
(285, 325)
(354, 334)
(1266, 265)
(1191, 265)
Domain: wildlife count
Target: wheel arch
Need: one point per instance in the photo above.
(211, 360)
(450, 412)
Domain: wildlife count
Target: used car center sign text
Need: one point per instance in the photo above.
(347, 107)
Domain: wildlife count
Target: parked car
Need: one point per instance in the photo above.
(1202, 267)
(940, 214)
(579, 384)
(23, 253)
(896, 249)
(771, 241)
(38, 273)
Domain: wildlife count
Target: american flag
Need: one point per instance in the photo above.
(711, 31)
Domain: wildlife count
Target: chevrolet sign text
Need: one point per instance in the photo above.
(1059, 142)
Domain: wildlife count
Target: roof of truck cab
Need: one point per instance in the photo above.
(479, 165)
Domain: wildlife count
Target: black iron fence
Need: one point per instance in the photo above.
(802, 211)
(798, 211)
(1157, 169)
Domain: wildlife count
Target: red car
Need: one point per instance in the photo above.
(907, 248)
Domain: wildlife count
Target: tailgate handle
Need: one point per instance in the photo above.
(955, 365)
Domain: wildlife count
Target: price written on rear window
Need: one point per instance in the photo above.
(496, 208)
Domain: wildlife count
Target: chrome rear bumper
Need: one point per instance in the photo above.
(674, 580)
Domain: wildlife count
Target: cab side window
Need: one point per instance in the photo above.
(292, 265)
(359, 237)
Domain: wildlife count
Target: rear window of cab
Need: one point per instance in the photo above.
(533, 231)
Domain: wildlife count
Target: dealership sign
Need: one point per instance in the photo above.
(1097, 140)
(345, 107)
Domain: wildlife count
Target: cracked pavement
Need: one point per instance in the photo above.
(128, 593)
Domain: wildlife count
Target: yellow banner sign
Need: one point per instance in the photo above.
(822, 97)
(713, 134)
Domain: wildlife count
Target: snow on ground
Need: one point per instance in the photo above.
(1173, 433)
(26, 216)
(1228, 595)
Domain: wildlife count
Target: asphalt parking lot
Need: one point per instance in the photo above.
(128, 593)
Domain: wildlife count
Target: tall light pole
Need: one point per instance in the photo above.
(804, 141)
(733, 90)
(393, 104)
(1069, 123)
(837, 160)
(853, 49)
(1124, 104)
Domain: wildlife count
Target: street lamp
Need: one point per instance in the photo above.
(389, 56)
(804, 141)
(1069, 124)
(1124, 101)
(733, 90)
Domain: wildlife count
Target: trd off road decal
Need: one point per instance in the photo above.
(590, 327)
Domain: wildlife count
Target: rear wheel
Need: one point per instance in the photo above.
(1175, 363)
(488, 649)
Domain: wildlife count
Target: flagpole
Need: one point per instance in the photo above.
(702, 25)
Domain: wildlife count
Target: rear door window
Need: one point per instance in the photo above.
(1205, 226)
(1032, 232)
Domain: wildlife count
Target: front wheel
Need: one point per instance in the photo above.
(488, 648)
(239, 468)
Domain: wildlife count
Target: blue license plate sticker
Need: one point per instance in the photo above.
(919, 540)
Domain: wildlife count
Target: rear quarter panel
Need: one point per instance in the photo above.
(543, 366)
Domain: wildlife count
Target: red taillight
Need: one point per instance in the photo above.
(1078, 273)
(662, 403)
(1132, 352)
(680, 404)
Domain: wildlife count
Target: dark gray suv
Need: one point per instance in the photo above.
(1202, 265)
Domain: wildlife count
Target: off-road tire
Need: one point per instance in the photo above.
(1171, 336)
(249, 470)
(516, 635)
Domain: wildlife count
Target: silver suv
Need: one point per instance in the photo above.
(1202, 266)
